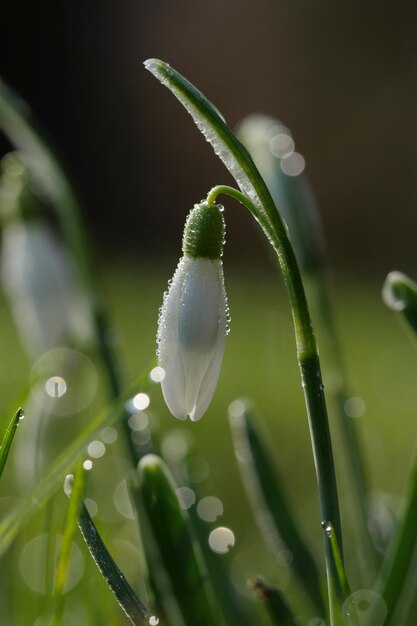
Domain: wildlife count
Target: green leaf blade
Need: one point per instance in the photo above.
(269, 501)
(215, 130)
(131, 605)
(8, 438)
(176, 545)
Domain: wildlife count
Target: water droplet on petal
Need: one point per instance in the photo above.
(157, 374)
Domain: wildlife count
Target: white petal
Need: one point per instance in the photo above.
(209, 382)
(191, 334)
(173, 385)
(198, 322)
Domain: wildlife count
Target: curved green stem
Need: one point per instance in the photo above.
(308, 359)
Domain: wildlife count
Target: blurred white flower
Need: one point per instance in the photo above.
(38, 273)
(39, 280)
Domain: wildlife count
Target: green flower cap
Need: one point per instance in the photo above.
(204, 232)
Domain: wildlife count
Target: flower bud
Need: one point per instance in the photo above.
(192, 323)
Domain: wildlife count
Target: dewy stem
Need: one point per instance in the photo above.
(308, 360)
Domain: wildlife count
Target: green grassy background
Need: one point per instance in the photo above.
(260, 364)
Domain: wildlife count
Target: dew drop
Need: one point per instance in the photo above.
(186, 497)
(68, 484)
(237, 408)
(157, 374)
(153, 620)
(364, 607)
(96, 449)
(141, 401)
(108, 434)
(210, 508)
(221, 539)
(293, 164)
(55, 387)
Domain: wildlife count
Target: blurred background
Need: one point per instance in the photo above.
(343, 79)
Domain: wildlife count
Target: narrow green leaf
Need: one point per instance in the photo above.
(179, 554)
(233, 607)
(76, 492)
(270, 505)
(275, 602)
(8, 438)
(20, 515)
(227, 147)
(131, 605)
(341, 583)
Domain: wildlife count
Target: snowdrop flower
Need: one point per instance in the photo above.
(192, 323)
(37, 273)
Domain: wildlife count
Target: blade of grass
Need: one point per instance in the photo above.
(341, 582)
(131, 605)
(269, 502)
(257, 199)
(8, 438)
(232, 606)
(76, 494)
(339, 590)
(176, 545)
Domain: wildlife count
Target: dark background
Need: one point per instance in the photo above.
(341, 76)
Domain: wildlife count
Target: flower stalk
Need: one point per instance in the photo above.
(257, 198)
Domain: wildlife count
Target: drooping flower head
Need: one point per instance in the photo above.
(192, 323)
(37, 272)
